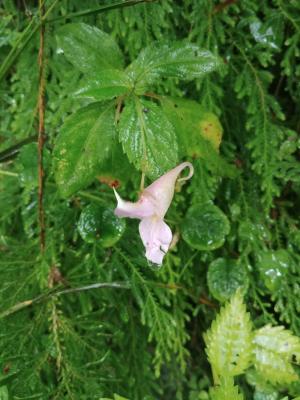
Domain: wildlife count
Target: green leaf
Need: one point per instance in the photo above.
(84, 142)
(229, 340)
(263, 389)
(205, 227)
(106, 85)
(88, 48)
(28, 166)
(199, 133)
(118, 397)
(259, 395)
(274, 349)
(116, 170)
(4, 393)
(99, 224)
(147, 137)
(226, 391)
(273, 267)
(224, 277)
(181, 60)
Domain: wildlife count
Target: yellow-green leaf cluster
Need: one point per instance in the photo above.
(226, 391)
(229, 340)
(274, 349)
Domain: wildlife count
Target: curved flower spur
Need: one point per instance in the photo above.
(151, 208)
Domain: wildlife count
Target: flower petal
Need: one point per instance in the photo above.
(161, 191)
(156, 236)
(141, 209)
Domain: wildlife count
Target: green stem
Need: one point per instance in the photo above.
(81, 193)
(98, 10)
(25, 37)
(8, 173)
(42, 297)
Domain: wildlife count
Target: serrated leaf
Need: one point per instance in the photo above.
(226, 391)
(147, 137)
(229, 340)
(224, 277)
(106, 85)
(199, 133)
(274, 349)
(88, 48)
(84, 142)
(182, 60)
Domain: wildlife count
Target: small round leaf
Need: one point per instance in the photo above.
(205, 227)
(99, 224)
(273, 266)
(224, 277)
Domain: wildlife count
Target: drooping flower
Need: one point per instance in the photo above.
(151, 208)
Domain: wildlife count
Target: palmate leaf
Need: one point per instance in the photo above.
(229, 340)
(88, 48)
(181, 60)
(226, 391)
(84, 142)
(148, 138)
(274, 350)
(105, 85)
(199, 133)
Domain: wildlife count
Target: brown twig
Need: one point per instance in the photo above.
(41, 130)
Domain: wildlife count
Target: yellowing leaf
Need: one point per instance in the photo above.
(211, 129)
(199, 133)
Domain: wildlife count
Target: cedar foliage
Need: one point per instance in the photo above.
(131, 90)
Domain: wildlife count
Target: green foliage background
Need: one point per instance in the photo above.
(139, 89)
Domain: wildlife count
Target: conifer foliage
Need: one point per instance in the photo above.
(104, 94)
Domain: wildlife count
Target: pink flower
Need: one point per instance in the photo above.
(151, 209)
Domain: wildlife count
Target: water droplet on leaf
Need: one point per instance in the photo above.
(99, 224)
(224, 277)
(205, 227)
(273, 267)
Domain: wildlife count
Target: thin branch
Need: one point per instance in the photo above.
(8, 173)
(23, 40)
(101, 9)
(55, 293)
(35, 23)
(112, 285)
(12, 151)
(81, 193)
(41, 130)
